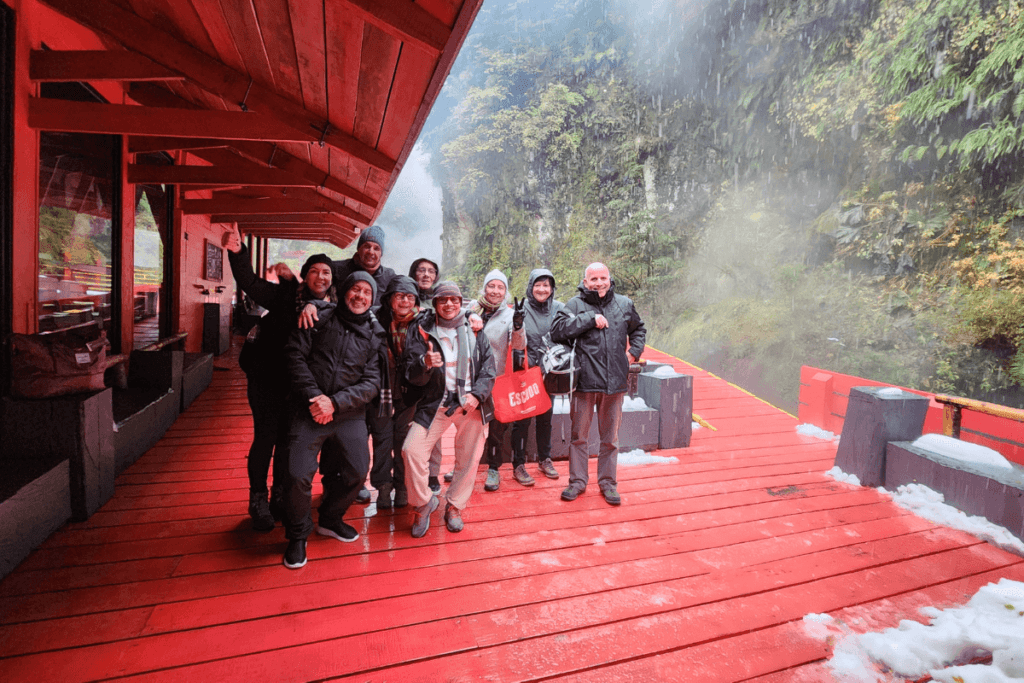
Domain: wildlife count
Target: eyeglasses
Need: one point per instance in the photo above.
(446, 300)
(403, 297)
(426, 270)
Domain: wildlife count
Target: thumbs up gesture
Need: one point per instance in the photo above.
(432, 358)
(520, 312)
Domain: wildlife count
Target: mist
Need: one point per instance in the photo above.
(411, 218)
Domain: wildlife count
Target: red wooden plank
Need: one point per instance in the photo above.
(380, 53)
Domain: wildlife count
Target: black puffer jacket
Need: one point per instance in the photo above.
(537, 320)
(265, 357)
(339, 359)
(382, 276)
(432, 381)
(601, 354)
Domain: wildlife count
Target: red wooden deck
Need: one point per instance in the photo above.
(704, 572)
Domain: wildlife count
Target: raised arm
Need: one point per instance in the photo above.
(567, 325)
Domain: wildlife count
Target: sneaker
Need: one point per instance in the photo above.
(401, 498)
(571, 493)
(522, 476)
(259, 510)
(384, 496)
(453, 518)
(493, 480)
(295, 555)
(339, 530)
(364, 496)
(422, 523)
(548, 469)
(448, 476)
(434, 485)
(611, 496)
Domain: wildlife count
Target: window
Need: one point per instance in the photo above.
(79, 196)
(153, 216)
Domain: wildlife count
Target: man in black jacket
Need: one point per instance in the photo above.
(336, 371)
(455, 369)
(262, 360)
(609, 335)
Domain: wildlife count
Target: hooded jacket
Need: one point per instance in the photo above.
(538, 316)
(340, 358)
(432, 382)
(601, 354)
(405, 393)
(425, 295)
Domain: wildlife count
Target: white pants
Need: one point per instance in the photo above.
(469, 446)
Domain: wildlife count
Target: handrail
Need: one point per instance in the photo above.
(952, 407)
(166, 341)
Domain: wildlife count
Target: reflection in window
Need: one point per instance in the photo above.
(76, 209)
(152, 216)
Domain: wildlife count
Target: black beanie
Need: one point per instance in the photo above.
(314, 259)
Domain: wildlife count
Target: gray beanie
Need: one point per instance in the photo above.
(374, 233)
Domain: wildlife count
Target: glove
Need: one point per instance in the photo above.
(520, 313)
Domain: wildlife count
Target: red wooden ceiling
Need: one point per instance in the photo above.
(262, 78)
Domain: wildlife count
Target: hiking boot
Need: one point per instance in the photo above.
(522, 476)
(448, 476)
(384, 496)
(363, 497)
(434, 485)
(295, 555)
(570, 493)
(611, 496)
(422, 523)
(259, 510)
(401, 498)
(453, 518)
(339, 530)
(547, 469)
(493, 480)
(277, 503)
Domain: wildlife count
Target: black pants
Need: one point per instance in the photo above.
(344, 461)
(520, 430)
(388, 434)
(495, 449)
(269, 406)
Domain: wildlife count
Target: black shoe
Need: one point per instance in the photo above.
(259, 510)
(384, 496)
(449, 475)
(571, 493)
(364, 497)
(339, 530)
(401, 498)
(434, 485)
(295, 555)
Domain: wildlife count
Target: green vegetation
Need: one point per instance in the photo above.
(776, 183)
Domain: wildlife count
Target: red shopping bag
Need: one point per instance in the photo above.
(519, 395)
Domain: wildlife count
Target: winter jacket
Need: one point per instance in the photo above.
(601, 354)
(497, 329)
(432, 381)
(405, 394)
(264, 358)
(537, 321)
(426, 295)
(382, 276)
(339, 359)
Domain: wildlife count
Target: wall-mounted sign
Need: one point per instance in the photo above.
(213, 267)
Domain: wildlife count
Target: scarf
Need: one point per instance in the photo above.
(399, 327)
(463, 378)
(484, 309)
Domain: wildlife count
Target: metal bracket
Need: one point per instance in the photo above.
(323, 133)
(270, 161)
(242, 104)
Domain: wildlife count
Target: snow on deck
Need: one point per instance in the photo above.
(705, 572)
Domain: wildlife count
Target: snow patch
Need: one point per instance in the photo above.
(633, 404)
(666, 371)
(639, 457)
(889, 392)
(839, 475)
(808, 429)
(962, 450)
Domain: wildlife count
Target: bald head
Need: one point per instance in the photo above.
(596, 278)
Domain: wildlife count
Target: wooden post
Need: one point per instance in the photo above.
(951, 415)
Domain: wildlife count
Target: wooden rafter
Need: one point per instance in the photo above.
(139, 35)
(298, 219)
(152, 143)
(95, 65)
(406, 21)
(96, 117)
(213, 175)
(265, 152)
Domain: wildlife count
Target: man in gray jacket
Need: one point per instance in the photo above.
(608, 335)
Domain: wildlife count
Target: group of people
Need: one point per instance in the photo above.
(351, 353)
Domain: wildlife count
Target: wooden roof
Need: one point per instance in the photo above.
(312, 106)
(703, 574)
